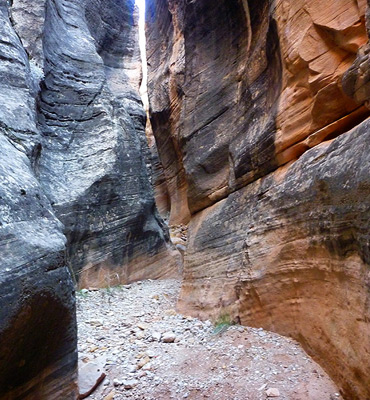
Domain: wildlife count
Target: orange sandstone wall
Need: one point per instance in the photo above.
(259, 111)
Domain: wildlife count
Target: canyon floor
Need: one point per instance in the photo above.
(148, 351)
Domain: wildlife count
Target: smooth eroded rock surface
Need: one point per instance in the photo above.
(247, 99)
(37, 306)
(38, 357)
(246, 88)
(204, 94)
(93, 161)
(75, 199)
(290, 252)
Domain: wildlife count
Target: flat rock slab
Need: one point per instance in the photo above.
(90, 375)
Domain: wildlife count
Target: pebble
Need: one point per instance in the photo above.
(142, 362)
(130, 384)
(168, 337)
(117, 382)
(151, 353)
(142, 326)
(272, 392)
(110, 396)
(156, 336)
(132, 368)
(147, 367)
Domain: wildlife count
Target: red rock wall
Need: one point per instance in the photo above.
(319, 41)
(259, 113)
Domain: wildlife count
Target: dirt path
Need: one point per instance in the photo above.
(147, 351)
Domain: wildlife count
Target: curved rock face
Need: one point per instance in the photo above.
(278, 67)
(74, 190)
(356, 79)
(28, 18)
(92, 164)
(259, 112)
(38, 355)
(165, 69)
(290, 253)
(93, 154)
(202, 154)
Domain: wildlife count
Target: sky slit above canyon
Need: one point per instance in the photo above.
(142, 42)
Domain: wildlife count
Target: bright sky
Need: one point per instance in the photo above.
(141, 5)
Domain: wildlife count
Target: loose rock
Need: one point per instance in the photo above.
(168, 337)
(180, 357)
(272, 392)
(130, 384)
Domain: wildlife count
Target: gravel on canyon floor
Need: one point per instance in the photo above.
(148, 351)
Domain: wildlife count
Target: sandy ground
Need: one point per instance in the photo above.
(147, 351)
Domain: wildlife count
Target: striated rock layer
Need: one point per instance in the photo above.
(259, 113)
(93, 163)
(92, 158)
(232, 99)
(290, 253)
(75, 198)
(38, 356)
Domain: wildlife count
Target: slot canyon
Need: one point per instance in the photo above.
(245, 180)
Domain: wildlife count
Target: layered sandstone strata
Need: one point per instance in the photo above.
(92, 163)
(75, 198)
(290, 253)
(247, 99)
(38, 355)
(273, 69)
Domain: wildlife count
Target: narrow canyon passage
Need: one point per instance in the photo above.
(193, 222)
